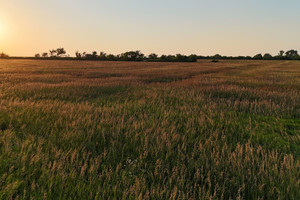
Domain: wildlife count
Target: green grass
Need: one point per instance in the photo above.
(121, 130)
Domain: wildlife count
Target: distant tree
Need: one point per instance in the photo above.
(111, 57)
(217, 56)
(192, 58)
(163, 58)
(37, 55)
(202, 57)
(179, 58)
(171, 58)
(267, 56)
(258, 57)
(89, 56)
(292, 54)
(53, 53)
(3, 55)
(78, 55)
(240, 57)
(94, 54)
(118, 57)
(153, 56)
(60, 52)
(45, 54)
(102, 56)
(132, 56)
(281, 53)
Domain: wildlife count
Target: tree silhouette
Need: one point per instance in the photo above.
(163, 57)
(132, 56)
(281, 53)
(60, 52)
(3, 55)
(292, 54)
(192, 58)
(258, 57)
(267, 56)
(111, 57)
(153, 56)
(78, 55)
(217, 56)
(45, 54)
(102, 56)
(53, 53)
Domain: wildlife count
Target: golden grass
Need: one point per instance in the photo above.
(138, 130)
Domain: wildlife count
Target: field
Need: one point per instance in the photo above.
(138, 130)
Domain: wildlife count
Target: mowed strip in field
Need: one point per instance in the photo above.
(104, 130)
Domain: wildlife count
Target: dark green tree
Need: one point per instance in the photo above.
(281, 53)
(163, 58)
(192, 58)
(267, 56)
(132, 56)
(258, 57)
(292, 54)
(217, 56)
(111, 57)
(153, 56)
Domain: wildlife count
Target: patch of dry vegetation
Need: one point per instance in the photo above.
(105, 130)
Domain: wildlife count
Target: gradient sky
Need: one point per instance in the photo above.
(203, 27)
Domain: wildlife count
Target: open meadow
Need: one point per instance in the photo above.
(140, 130)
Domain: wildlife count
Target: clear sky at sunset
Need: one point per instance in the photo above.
(203, 27)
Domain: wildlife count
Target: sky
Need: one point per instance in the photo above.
(202, 27)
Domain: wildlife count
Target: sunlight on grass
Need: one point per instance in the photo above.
(111, 130)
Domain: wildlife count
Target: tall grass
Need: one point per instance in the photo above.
(121, 130)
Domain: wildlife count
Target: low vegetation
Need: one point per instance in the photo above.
(3, 55)
(127, 56)
(60, 53)
(138, 130)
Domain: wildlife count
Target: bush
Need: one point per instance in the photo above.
(3, 55)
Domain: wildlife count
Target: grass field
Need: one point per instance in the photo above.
(126, 130)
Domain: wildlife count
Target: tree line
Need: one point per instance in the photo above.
(139, 56)
(282, 55)
(61, 53)
(127, 56)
